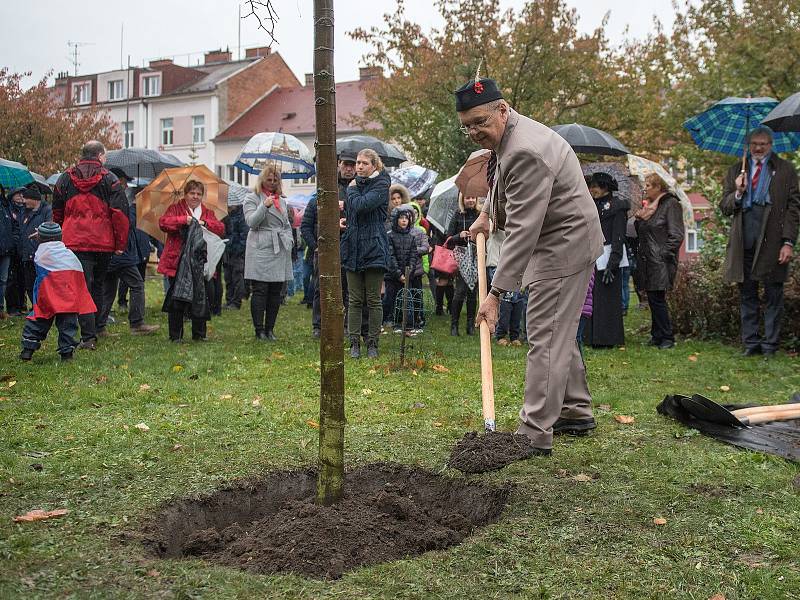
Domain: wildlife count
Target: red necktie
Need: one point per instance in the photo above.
(756, 176)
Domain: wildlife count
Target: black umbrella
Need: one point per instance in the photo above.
(141, 162)
(41, 184)
(353, 144)
(590, 140)
(785, 116)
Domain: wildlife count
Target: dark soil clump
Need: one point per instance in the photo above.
(491, 451)
(272, 525)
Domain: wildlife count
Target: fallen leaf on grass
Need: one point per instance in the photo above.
(144, 387)
(441, 369)
(759, 511)
(624, 419)
(177, 447)
(437, 424)
(142, 427)
(367, 392)
(256, 402)
(604, 407)
(153, 573)
(717, 597)
(101, 379)
(277, 355)
(582, 477)
(692, 358)
(177, 368)
(12, 384)
(420, 363)
(659, 521)
(225, 397)
(724, 388)
(40, 515)
(422, 405)
(312, 423)
(3, 398)
(372, 372)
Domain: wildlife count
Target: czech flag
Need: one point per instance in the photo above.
(60, 285)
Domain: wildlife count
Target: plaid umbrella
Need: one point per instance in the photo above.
(417, 179)
(785, 116)
(141, 162)
(443, 204)
(724, 126)
(153, 201)
(14, 174)
(589, 140)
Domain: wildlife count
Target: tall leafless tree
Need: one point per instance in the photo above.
(331, 349)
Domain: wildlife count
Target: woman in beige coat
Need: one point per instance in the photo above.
(268, 254)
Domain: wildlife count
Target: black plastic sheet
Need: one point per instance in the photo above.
(781, 438)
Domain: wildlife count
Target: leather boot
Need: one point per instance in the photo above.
(355, 347)
(454, 329)
(372, 348)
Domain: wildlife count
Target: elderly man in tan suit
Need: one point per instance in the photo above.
(538, 195)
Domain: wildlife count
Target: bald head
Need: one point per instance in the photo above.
(92, 150)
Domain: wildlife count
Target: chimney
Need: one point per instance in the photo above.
(160, 62)
(257, 52)
(309, 80)
(365, 73)
(217, 56)
(61, 78)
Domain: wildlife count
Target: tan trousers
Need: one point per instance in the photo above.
(555, 378)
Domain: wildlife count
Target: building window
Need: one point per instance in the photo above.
(115, 90)
(127, 131)
(167, 132)
(151, 85)
(307, 181)
(694, 241)
(219, 171)
(198, 129)
(82, 92)
(691, 173)
(231, 173)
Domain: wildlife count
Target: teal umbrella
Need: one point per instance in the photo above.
(14, 174)
(724, 126)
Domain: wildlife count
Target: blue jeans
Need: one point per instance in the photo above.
(5, 263)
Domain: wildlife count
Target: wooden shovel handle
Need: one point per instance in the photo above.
(772, 415)
(487, 381)
(754, 410)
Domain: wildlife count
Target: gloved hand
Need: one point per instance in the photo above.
(608, 277)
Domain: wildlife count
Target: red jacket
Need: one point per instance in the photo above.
(172, 222)
(90, 205)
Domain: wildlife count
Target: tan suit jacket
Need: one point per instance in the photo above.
(541, 200)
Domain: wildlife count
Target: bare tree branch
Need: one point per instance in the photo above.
(265, 14)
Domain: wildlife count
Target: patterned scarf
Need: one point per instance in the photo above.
(759, 196)
(276, 200)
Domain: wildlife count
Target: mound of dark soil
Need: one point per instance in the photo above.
(489, 452)
(272, 525)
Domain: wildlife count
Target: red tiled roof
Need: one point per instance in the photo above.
(291, 110)
(699, 202)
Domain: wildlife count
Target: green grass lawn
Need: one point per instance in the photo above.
(233, 408)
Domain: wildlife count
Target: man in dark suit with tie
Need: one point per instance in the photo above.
(538, 196)
(764, 203)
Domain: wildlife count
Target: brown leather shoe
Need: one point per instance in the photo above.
(502, 342)
(516, 343)
(144, 329)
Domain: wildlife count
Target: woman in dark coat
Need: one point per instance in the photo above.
(458, 235)
(659, 225)
(365, 248)
(605, 328)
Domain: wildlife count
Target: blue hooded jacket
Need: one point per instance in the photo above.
(364, 244)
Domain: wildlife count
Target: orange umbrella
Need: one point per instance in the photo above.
(153, 201)
(471, 179)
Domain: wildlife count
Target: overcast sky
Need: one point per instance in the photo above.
(37, 32)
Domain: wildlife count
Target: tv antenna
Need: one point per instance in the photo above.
(74, 53)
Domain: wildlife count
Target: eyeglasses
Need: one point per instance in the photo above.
(480, 124)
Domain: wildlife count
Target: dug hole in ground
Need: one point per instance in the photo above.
(272, 525)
